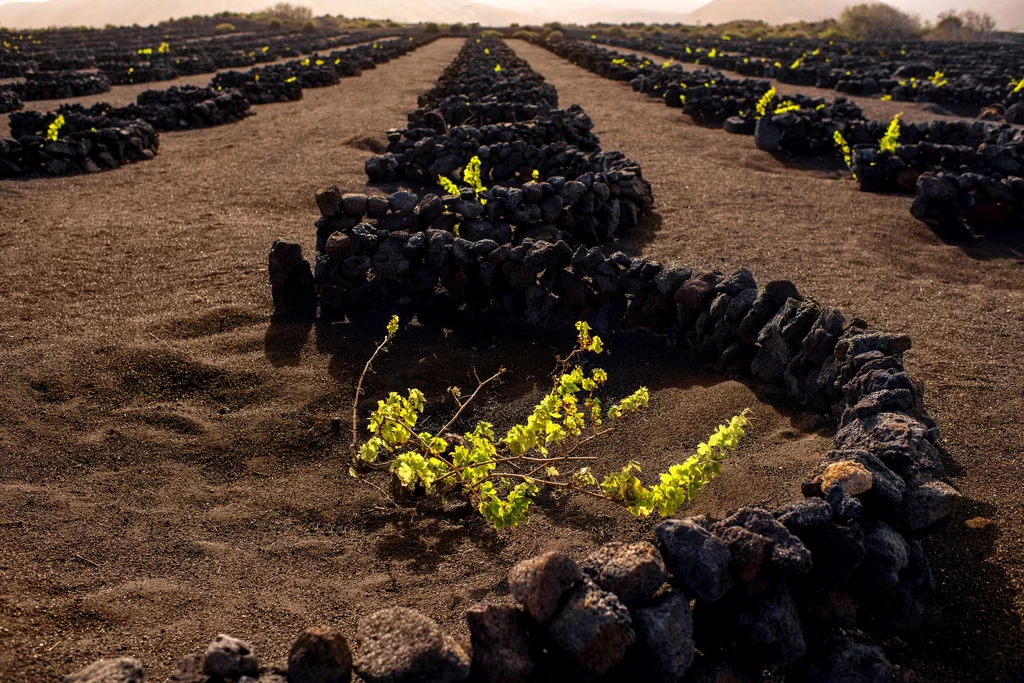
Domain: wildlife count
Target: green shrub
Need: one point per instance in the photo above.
(879, 22)
(289, 13)
(431, 27)
(523, 34)
(834, 33)
(225, 28)
(275, 23)
(502, 476)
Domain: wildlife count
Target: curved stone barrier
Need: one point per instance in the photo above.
(88, 151)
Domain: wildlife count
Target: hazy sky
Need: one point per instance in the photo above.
(567, 10)
(925, 7)
(672, 5)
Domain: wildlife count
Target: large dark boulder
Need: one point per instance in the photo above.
(540, 582)
(592, 628)
(320, 655)
(401, 645)
(698, 559)
(633, 571)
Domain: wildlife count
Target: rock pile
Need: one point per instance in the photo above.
(87, 144)
(984, 157)
(547, 177)
(284, 82)
(88, 151)
(172, 109)
(947, 72)
(60, 85)
(138, 54)
(9, 100)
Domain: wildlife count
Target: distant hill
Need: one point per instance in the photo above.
(1009, 14)
(23, 14)
(777, 12)
(145, 12)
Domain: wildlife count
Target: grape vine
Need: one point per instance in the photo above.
(503, 475)
(53, 130)
(892, 135)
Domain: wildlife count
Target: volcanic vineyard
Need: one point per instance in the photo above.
(155, 53)
(58, 64)
(542, 181)
(78, 139)
(960, 172)
(529, 210)
(977, 74)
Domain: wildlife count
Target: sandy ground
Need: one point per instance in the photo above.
(168, 470)
(722, 203)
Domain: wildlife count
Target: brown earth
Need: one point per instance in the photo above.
(169, 470)
(168, 451)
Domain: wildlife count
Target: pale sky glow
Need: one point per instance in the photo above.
(489, 12)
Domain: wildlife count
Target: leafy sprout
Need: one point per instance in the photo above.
(762, 104)
(892, 135)
(53, 130)
(503, 475)
(844, 147)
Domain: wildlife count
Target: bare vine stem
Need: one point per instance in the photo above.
(463, 404)
(353, 447)
(558, 484)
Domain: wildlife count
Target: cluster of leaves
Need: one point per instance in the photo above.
(471, 175)
(449, 187)
(682, 482)
(938, 79)
(762, 104)
(503, 475)
(53, 130)
(787, 106)
(892, 135)
(844, 147)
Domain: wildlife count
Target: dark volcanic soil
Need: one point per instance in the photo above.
(169, 470)
(167, 456)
